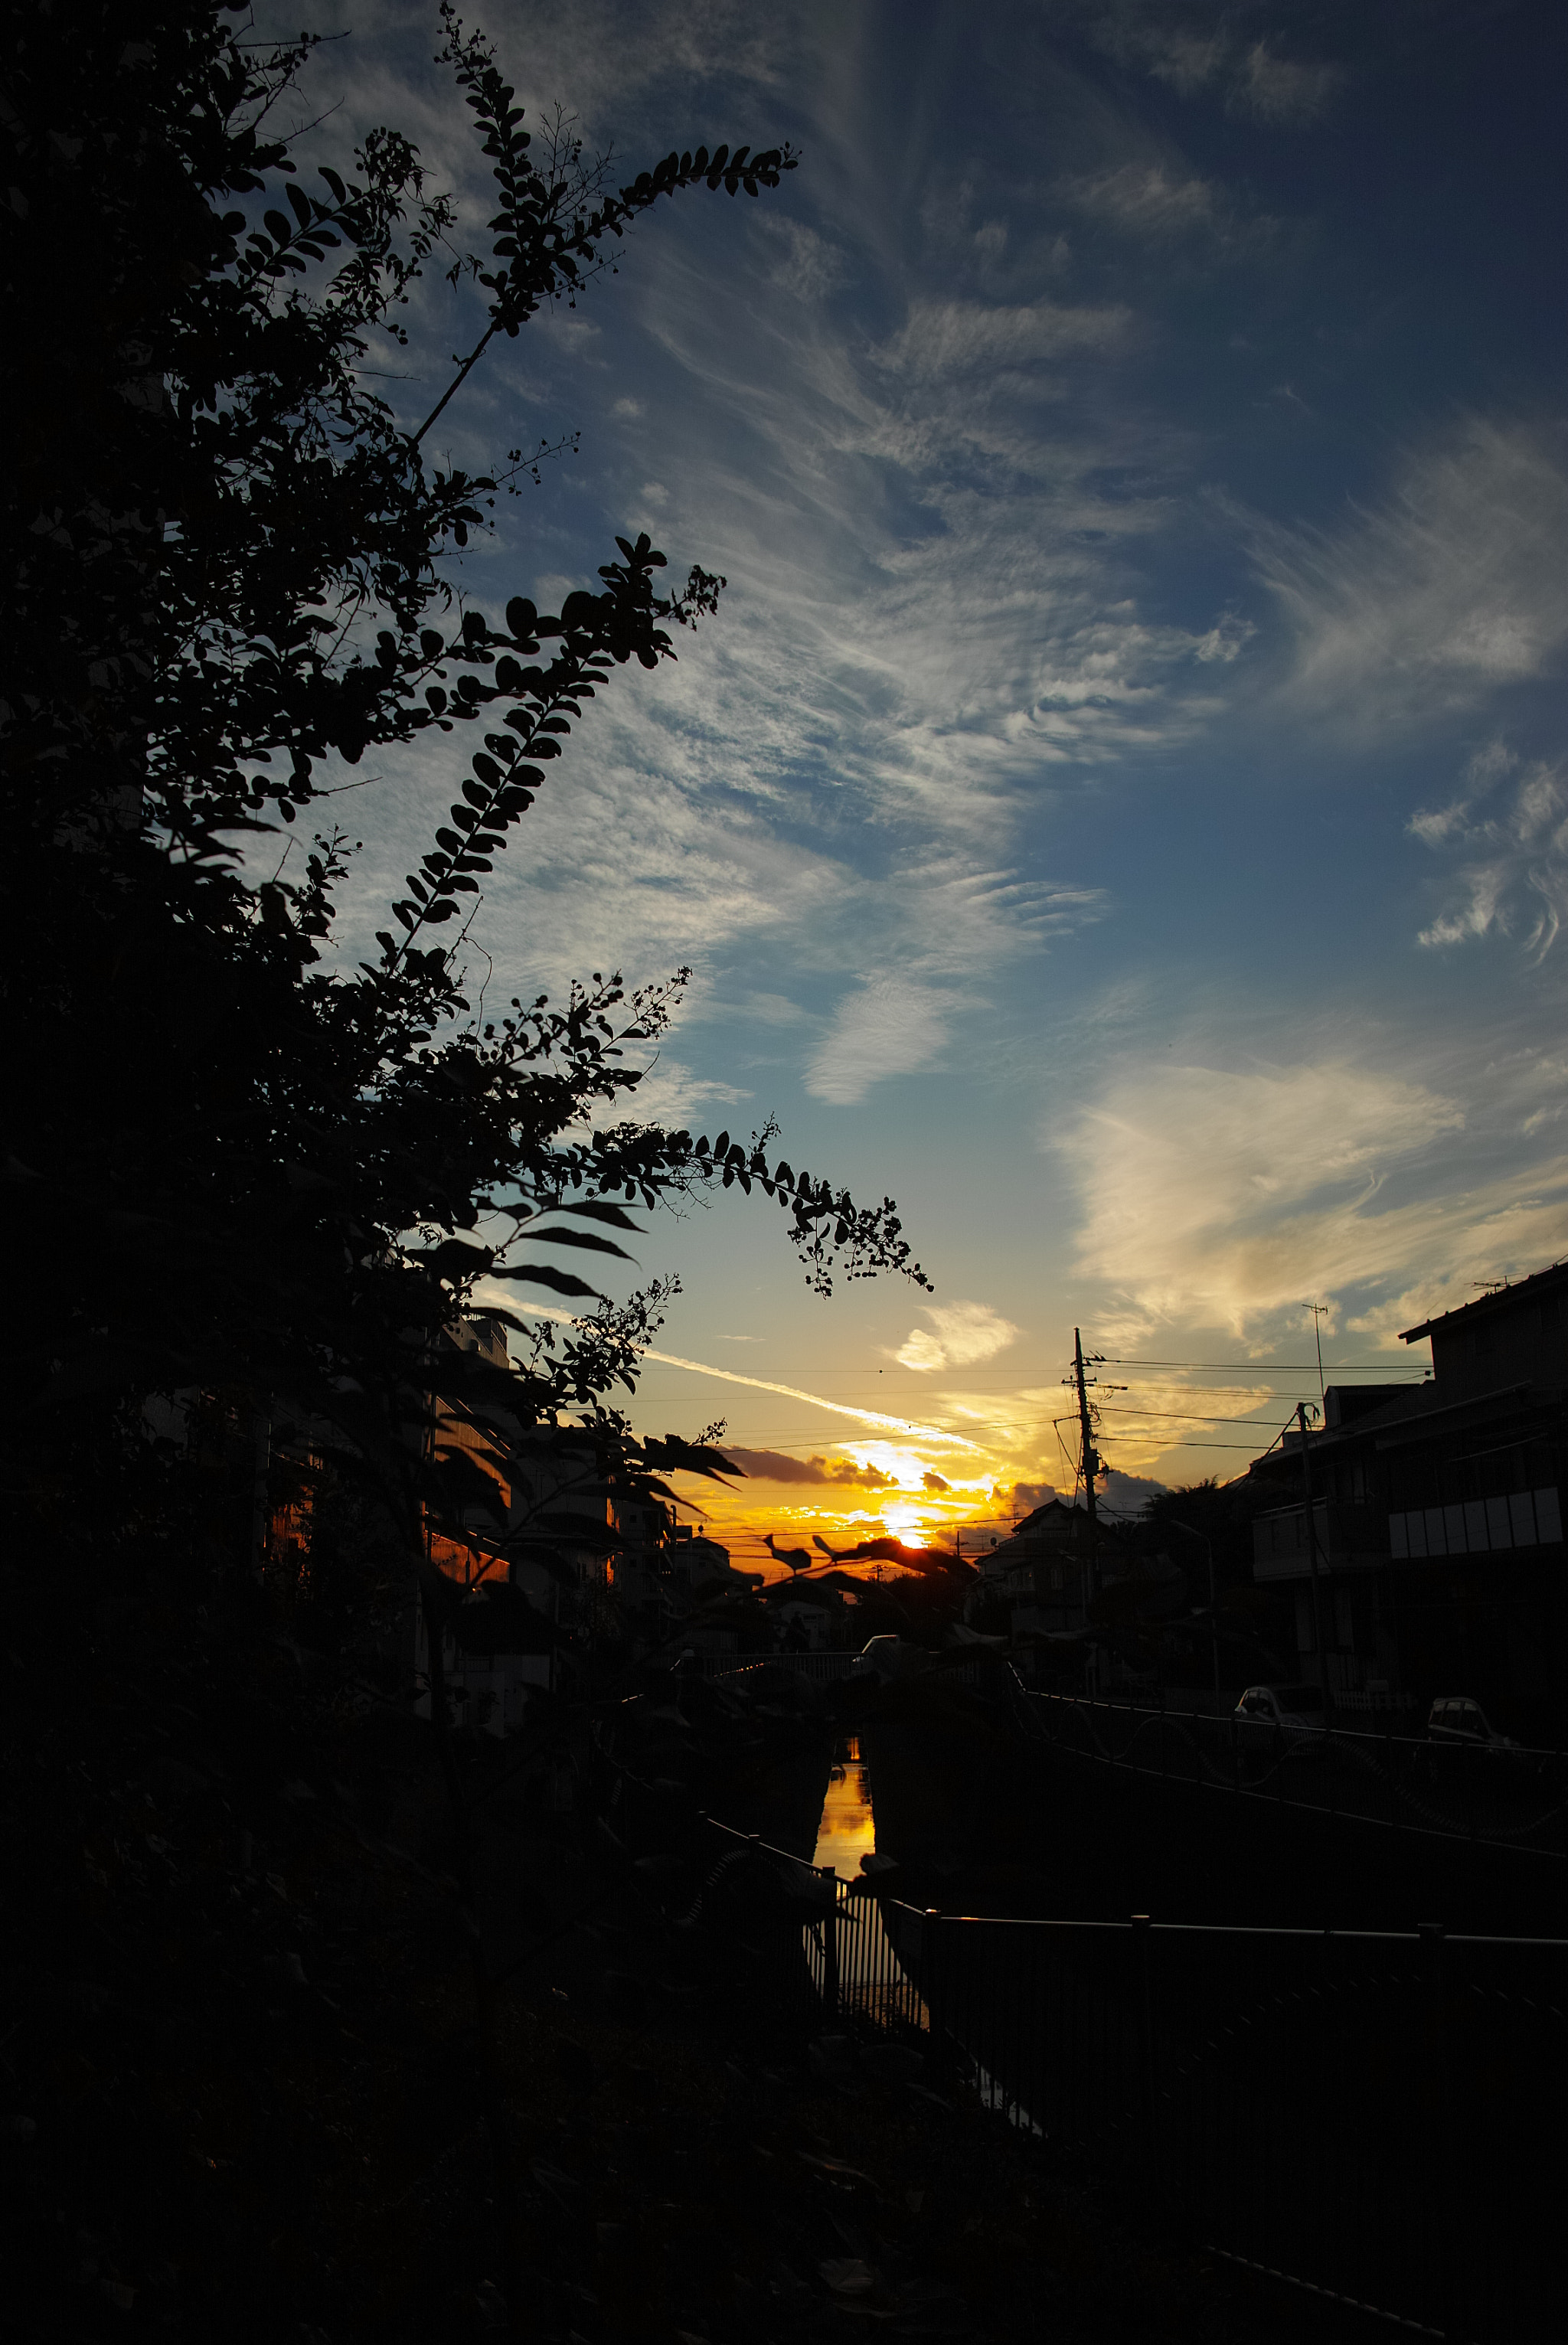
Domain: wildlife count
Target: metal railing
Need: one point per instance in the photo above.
(822, 1669)
(1370, 2116)
(1515, 1798)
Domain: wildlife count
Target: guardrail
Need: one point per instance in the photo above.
(1517, 1799)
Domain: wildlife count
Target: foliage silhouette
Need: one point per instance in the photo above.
(235, 1164)
(237, 1169)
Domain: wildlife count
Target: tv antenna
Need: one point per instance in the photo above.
(1320, 1312)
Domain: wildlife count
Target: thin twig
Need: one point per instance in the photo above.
(469, 364)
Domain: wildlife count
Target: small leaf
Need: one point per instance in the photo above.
(561, 1282)
(597, 1210)
(584, 1238)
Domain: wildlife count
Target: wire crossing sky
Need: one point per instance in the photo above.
(1120, 808)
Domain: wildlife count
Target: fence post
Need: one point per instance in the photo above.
(1389, 1773)
(1442, 2194)
(934, 1981)
(1143, 1992)
(829, 1880)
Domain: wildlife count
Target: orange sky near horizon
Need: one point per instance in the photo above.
(933, 1450)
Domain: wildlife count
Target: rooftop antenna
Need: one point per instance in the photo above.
(1320, 1312)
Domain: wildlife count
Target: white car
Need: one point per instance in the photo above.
(886, 1658)
(1273, 1715)
(1457, 1718)
(1459, 1721)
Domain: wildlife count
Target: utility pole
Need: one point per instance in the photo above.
(1301, 1407)
(1089, 1467)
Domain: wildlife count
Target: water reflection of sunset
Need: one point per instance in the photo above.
(848, 1827)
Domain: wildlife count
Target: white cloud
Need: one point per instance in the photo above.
(1224, 641)
(1252, 78)
(1149, 199)
(1451, 589)
(808, 266)
(1279, 89)
(960, 1335)
(934, 530)
(1212, 1199)
(1510, 847)
(945, 341)
(890, 1027)
(671, 1093)
(1218, 1198)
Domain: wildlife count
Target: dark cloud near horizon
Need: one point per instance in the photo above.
(1122, 1493)
(774, 1466)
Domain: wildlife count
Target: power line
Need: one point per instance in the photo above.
(923, 1379)
(1281, 1367)
(1179, 1415)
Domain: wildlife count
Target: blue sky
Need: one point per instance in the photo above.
(1121, 809)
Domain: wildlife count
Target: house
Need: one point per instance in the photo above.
(1039, 1574)
(1436, 1523)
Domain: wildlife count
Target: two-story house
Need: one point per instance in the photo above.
(1437, 1521)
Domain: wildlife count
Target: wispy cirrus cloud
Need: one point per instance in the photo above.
(1202, 49)
(959, 1335)
(1505, 837)
(890, 1027)
(1450, 591)
(951, 341)
(936, 509)
(1154, 200)
(1219, 1199)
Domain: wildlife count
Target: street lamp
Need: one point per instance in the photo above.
(1193, 1532)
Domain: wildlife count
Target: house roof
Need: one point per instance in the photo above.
(1502, 1298)
(1409, 1414)
(1054, 1528)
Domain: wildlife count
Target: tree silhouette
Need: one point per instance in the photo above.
(238, 1170)
(234, 1163)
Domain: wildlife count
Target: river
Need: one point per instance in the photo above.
(848, 1830)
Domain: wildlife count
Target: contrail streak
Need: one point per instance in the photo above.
(900, 1424)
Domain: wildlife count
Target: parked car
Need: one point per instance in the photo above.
(1282, 1718)
(1298, 1706)
(1456, 1725)
(1457, 1718)
(886, 1658)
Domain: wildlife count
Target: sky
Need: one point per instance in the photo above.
(1121, 809)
